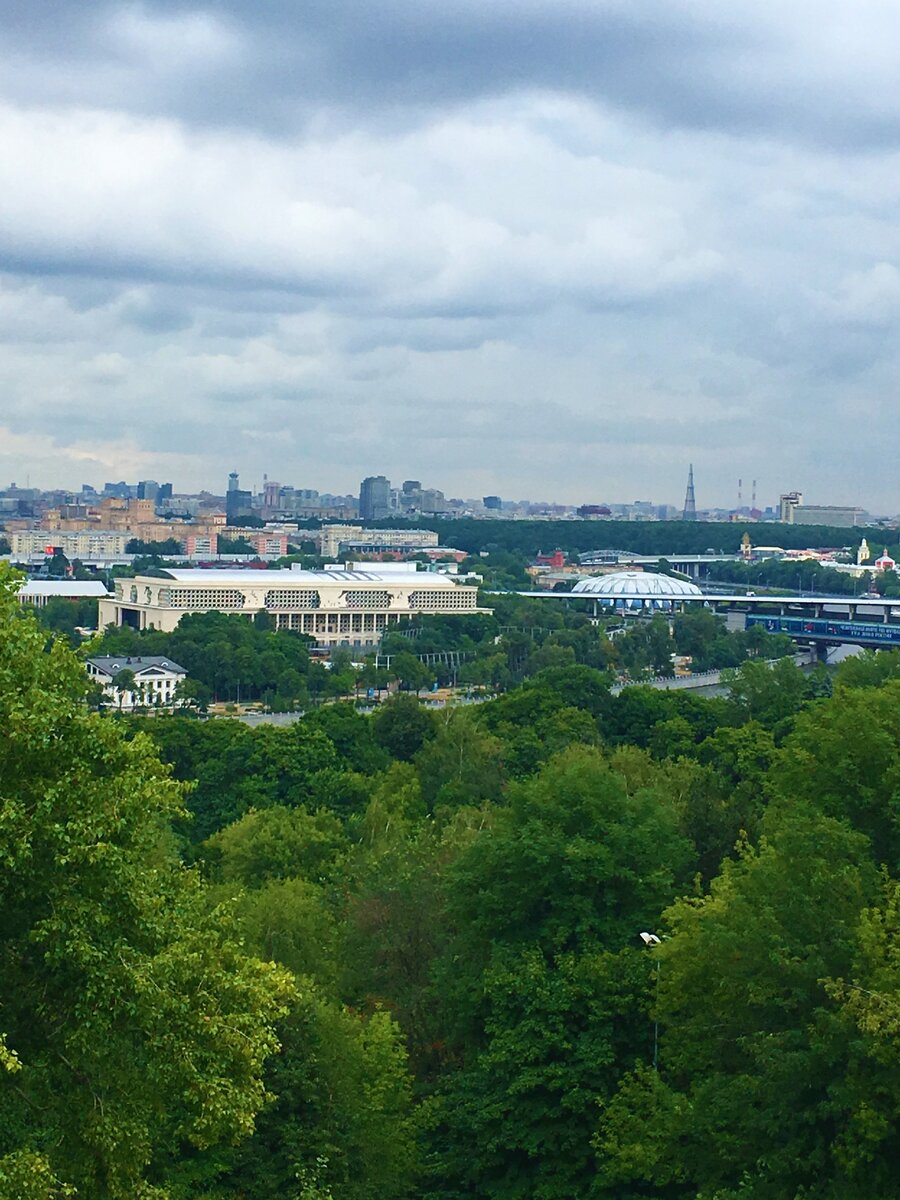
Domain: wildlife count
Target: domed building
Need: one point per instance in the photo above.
(636, 590)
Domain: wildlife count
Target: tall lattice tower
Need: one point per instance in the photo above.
(690, 505)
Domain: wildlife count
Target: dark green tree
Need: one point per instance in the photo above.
(542, 980)
(758, 1089)
(132, 1019)
(401, 726)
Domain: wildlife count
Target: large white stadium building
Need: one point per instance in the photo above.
(635, 590)
(336, 607)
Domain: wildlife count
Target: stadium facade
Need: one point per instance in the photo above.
(336, 607)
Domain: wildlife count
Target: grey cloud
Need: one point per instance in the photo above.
(524, 246)
(281, 66)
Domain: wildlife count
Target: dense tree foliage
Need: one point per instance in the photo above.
(229, 657)
(132, 1020)
(791, 575)
(641, 537)
(64, 616)
(449, 907)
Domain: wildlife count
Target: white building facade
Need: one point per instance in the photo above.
(155, 680)
(336, 607)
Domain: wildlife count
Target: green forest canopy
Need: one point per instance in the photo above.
(450, 904)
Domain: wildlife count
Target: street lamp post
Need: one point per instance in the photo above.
(650, 939)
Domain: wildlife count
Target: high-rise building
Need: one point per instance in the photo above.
(374, 498)
(147, 489)
(492, 503)
(238, 502)
(690, 504)
(433, 501)
(787, 502)
(165, 492)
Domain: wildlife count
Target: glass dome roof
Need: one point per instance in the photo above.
(636, 584)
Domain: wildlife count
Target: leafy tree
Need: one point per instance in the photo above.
(542, 981)
(238, 545)
(869, 1006)
(65, 616)
(534, 724)
(395, 919)
(578, 687)
(871, 668)
(125, 683)
(237, 768)
(291, 921)
(343, 1118)
(352, 736)
(413, 674)
(672, 738)
(402, 727)
(190, 694)
(517, 1122)
(460, 765)
(166, 547)
(844, 760)
(766, 694)
(598, 858)
(278, 843)
(647, 646)
(133, 1020)
(757, 1092)
(224, 652)
(636, 714)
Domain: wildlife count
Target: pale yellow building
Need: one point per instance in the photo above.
(94, 543)
(336, 607)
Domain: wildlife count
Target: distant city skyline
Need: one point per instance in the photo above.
(746, 500)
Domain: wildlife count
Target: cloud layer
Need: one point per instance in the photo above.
(542, 247)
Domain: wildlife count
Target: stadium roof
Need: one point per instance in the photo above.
(70, 588)
(636, 584)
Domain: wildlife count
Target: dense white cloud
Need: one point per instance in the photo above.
(553, 249)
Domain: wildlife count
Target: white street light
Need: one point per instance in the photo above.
(650, 939)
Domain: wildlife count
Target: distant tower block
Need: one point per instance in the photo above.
(690, 505)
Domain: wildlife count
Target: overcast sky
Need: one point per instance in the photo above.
(546, 248)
